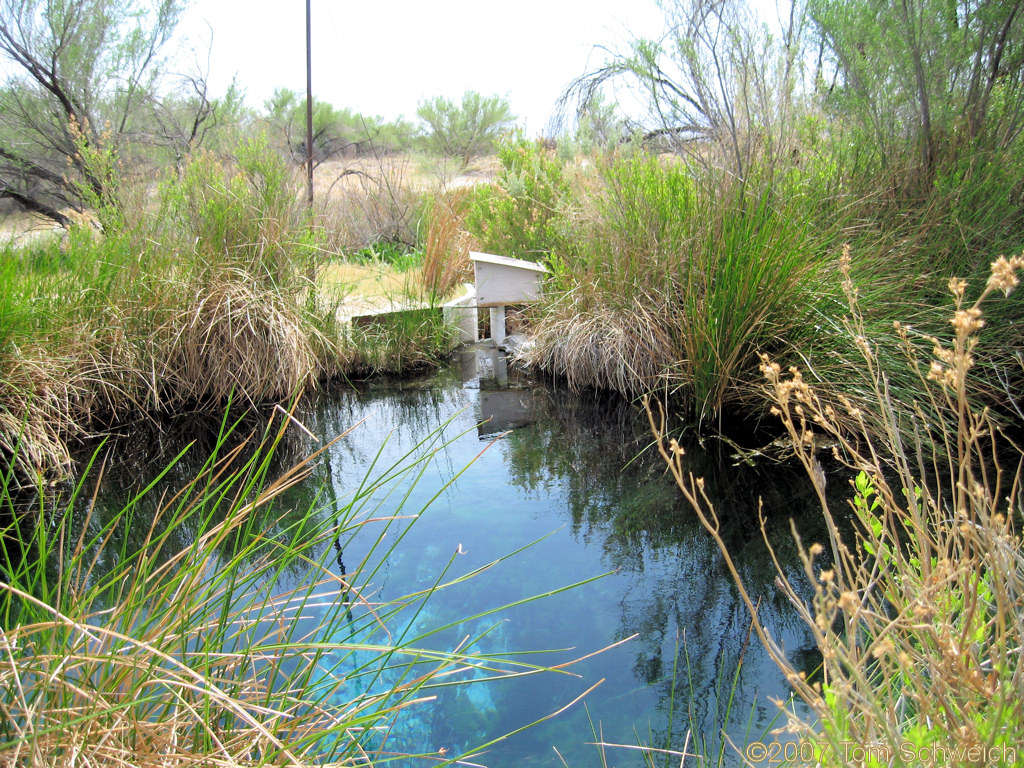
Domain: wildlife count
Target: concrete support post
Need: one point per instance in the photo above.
(497, 325)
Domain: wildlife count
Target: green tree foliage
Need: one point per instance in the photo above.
(934, 76)
(83, 82)
(335, 131)
(926, 100)
(464, 130)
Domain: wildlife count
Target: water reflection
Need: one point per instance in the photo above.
(579, 471)
(586, 464)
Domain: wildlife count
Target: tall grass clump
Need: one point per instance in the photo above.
(919, 611)
(446, 251)
(237, 213)
(240, 322)
(206, 295)
(674, 284)
(229, 634)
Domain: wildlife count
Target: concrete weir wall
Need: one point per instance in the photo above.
(461, 313)
(501, 281)
(498, 282)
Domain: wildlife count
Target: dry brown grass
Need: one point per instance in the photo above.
(368, 202)
(234, 340)
(446, 261)
(592, 346)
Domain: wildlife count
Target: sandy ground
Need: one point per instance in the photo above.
(22, 228)
(369, 288)
(422, 173)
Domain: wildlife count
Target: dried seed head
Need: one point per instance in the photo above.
(845, 260)
(967, 321)
(922, 611)
(936, 372)
(844, 269)
(1004, 274)
(957, 287)
(882, 648)
(945, 355)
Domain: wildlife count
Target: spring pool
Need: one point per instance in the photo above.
(573, 482)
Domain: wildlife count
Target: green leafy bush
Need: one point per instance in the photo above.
(521, 215)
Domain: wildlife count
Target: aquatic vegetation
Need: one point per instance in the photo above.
(673, 285)
(234, 632)
(398, 342)
(672, 276)
(919, 615)
(207, 292)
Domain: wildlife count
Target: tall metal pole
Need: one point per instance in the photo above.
(309, 111)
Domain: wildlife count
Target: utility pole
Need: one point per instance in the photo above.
(309, 111)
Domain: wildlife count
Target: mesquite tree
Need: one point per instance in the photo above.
(718, 86)
(934, 76)
(83, 81)
(467, 129)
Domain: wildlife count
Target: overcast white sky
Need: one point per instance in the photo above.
(380, 57)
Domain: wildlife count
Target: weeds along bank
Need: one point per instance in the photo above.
(812, 296)
(197, 294)
(918, 608)
(663, 277)
(673, 278)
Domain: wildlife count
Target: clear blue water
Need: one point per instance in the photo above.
(573, 480)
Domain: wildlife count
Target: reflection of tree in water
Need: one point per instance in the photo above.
(186, 455)
(618, 493)
(596, 454)
(400, 411)
(173, 453)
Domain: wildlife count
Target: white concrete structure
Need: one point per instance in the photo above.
(461, 313)
(501, 280)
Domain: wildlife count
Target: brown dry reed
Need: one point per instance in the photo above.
(919, 614)
(446, 262)
(628, 350)
(234, 338)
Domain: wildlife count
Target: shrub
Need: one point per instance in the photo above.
(243, 215)
(371, 205)
(919, 613)
(521, 214)
(465, 130)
